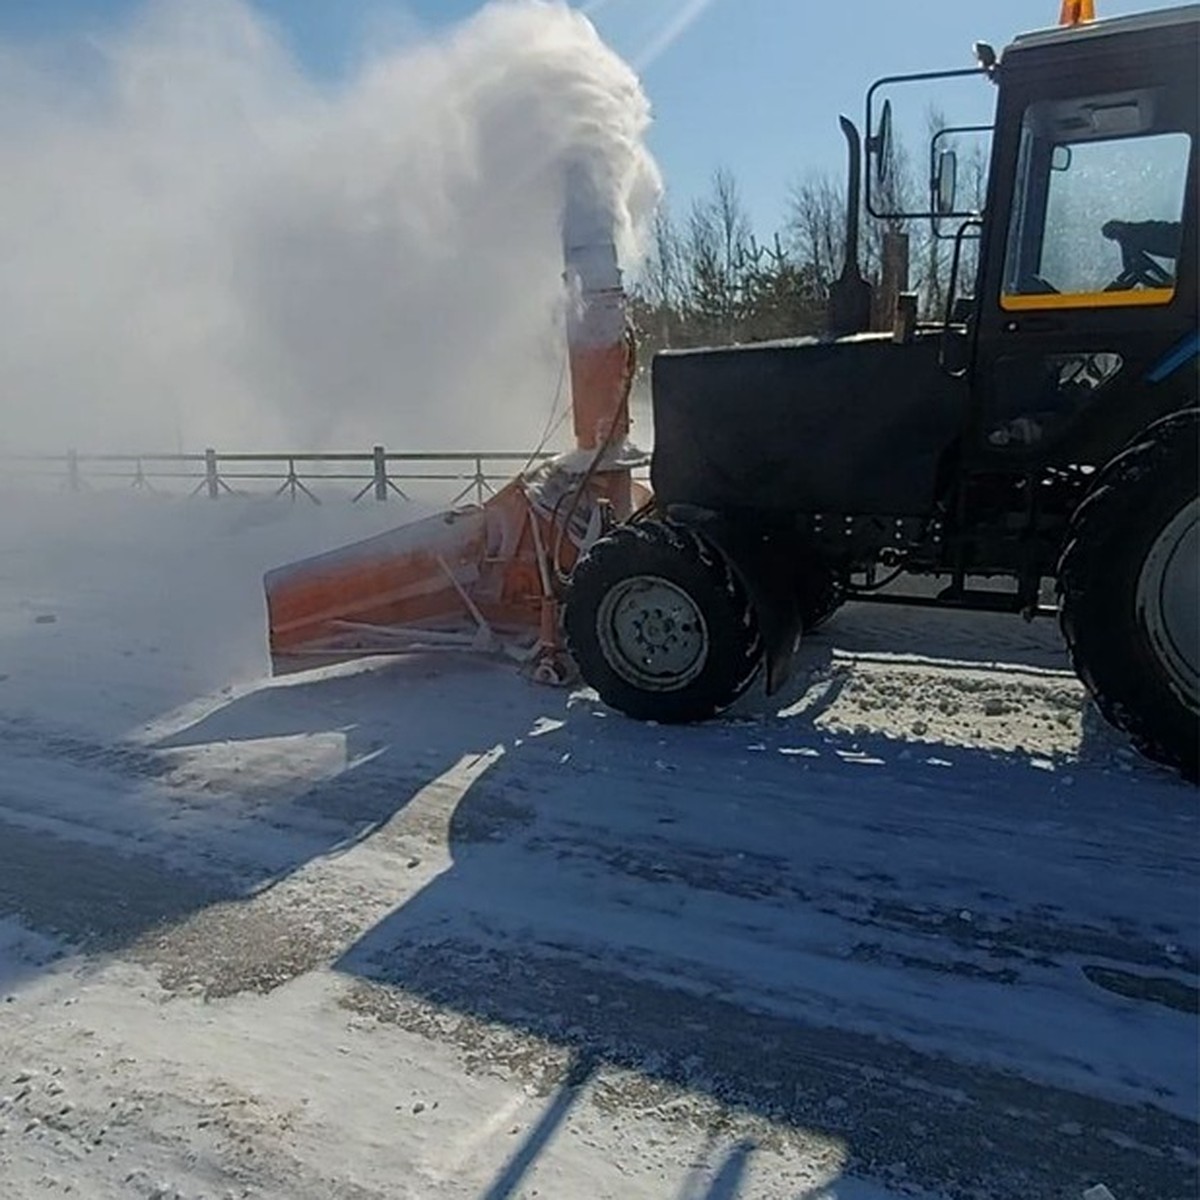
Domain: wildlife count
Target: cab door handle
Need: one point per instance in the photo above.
(1035, 325)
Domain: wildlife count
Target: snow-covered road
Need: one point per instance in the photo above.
(421, 929)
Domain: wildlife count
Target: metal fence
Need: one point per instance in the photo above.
(214, 474)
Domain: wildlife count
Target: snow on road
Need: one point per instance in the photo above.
(421, 929)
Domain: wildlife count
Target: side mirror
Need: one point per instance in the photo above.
(879, 144)
(945, 184)
(1060, 158)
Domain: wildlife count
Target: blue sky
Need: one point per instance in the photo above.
(752, 85)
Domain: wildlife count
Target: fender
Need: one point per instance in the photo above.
(764, 560)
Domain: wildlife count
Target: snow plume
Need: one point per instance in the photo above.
(201, 246)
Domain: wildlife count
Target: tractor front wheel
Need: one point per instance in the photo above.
(1128, 582)
(660, 625)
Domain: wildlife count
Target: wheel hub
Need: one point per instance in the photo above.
(1168, 600)
(652, 633)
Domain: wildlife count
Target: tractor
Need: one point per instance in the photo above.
(1044, 429)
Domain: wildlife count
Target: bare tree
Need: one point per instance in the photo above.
(732, 222)
(659, 293)
(816, 219)
(661, 274)
(816, 228)
(932, 281)
(714, 281)
(816, 231)
(715, 254)
(937, 236)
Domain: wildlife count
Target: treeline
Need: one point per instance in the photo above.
(709, 280)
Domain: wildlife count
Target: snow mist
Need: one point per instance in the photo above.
(201, 246)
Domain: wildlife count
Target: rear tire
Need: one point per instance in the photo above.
(660, 625)
(1127, 583)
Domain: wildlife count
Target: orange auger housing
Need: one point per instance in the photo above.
(489, 577)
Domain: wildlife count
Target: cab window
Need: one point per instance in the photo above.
(1098, 207)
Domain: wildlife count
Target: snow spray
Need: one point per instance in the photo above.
(204, 246)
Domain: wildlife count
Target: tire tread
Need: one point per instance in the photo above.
(658, 545)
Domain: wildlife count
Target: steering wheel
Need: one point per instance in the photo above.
(1138, 240)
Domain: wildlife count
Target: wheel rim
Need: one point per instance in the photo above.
(1167, 598)
(652, 633)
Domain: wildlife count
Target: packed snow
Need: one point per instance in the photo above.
(421, 928)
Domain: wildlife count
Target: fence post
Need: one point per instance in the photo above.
(73, 470)
(211, 479)
(381, 479)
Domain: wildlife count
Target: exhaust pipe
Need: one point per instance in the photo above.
(850, 296)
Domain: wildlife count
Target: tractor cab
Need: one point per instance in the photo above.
(1082, 255)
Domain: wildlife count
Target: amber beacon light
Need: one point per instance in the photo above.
(1076, 12)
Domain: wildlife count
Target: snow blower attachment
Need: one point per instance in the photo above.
(488, 577)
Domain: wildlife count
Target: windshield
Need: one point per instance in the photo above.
(1098, 205)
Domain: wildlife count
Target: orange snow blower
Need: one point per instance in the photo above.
(489, 577)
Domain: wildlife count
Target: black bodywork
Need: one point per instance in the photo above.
(858, 425)
(964, 450)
